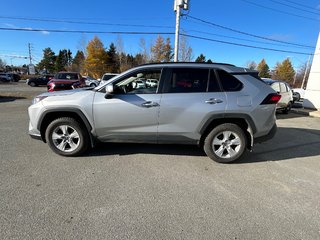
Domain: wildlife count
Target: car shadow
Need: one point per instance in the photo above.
(10, 98)
(104, 149)
(288, 144)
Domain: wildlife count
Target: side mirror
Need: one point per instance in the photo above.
(109, 91)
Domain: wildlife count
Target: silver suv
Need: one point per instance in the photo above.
(220, 107)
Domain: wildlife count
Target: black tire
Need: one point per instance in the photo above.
(73, 141)
(93, 85)
(33, 84)
(226, 150)
(287, 109)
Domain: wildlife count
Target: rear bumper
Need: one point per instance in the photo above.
(268, 136)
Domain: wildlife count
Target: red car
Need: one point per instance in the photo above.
(65, 81)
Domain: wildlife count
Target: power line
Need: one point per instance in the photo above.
(84, 31)
(156, 33)
(243, 39)
(302, 5)
(244, 45)
(248, 34)
(83, 22)
(297, 8)
(280, 11)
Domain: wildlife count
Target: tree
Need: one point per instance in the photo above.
(2, 64)
(201, 58)
(161, 51)
(144, 50)
(47, 63)
(284, 71)
(302, 73)
(252, 65)
(78, 62)
(97, 59)
(185, 51)
(63, 60)
(112, 60)
(263, 68)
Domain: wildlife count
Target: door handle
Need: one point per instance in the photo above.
(150, 104)
(213, 101)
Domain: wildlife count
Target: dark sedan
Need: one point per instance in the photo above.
(41, 80)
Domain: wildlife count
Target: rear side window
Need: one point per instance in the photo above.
(228, 82)
(185, 80)
(213, 83)
(283, 87)
(276, 87)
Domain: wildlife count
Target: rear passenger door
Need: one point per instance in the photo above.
(190, 96)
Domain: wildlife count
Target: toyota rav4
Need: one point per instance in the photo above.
(223, 108)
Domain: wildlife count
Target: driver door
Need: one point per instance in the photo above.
(131, 113)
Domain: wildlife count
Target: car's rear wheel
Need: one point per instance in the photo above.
(287, 109)
(225, 143)
(66, 137)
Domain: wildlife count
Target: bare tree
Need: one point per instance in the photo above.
(144, 50)
(185, 51)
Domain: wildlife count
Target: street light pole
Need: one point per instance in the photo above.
(176, 40)
(178, 5)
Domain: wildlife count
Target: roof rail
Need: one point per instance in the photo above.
(200, 63)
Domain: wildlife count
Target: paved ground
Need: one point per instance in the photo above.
(158, 192)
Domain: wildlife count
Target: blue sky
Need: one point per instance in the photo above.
(266, 18)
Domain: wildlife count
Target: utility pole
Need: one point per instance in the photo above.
(30, 56)
(305, 72)
(178, 5)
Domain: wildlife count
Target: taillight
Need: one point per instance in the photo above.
(272, 98)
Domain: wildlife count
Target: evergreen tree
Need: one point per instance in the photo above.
(263, 68)
(48, 61)
(112, 61)
(63, 60)
(78, 62)
(201, 58)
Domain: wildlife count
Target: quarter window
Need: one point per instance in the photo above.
(229, 83)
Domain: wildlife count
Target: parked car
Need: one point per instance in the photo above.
(152, 82)
(5, 77)
(298, 93)
(108, 76)
(15, 77)
(285, 91)
(225, 110)
(65, 81)
(91, 82)
(37, 81)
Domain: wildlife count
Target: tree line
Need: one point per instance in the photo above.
(97, 60)
(282, 71)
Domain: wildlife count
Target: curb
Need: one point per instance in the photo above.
(307, 112)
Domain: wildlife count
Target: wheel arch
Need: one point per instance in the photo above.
(244, 121)
(49, 115)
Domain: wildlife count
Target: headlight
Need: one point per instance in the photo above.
(38, 99)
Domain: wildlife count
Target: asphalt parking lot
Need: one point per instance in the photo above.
(131, 191)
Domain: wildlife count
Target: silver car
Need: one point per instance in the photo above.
(220, 107)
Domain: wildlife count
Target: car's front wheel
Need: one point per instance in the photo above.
(225, 143)
(66, 137)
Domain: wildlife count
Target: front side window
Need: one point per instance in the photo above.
(139, 82)
(184, 80)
